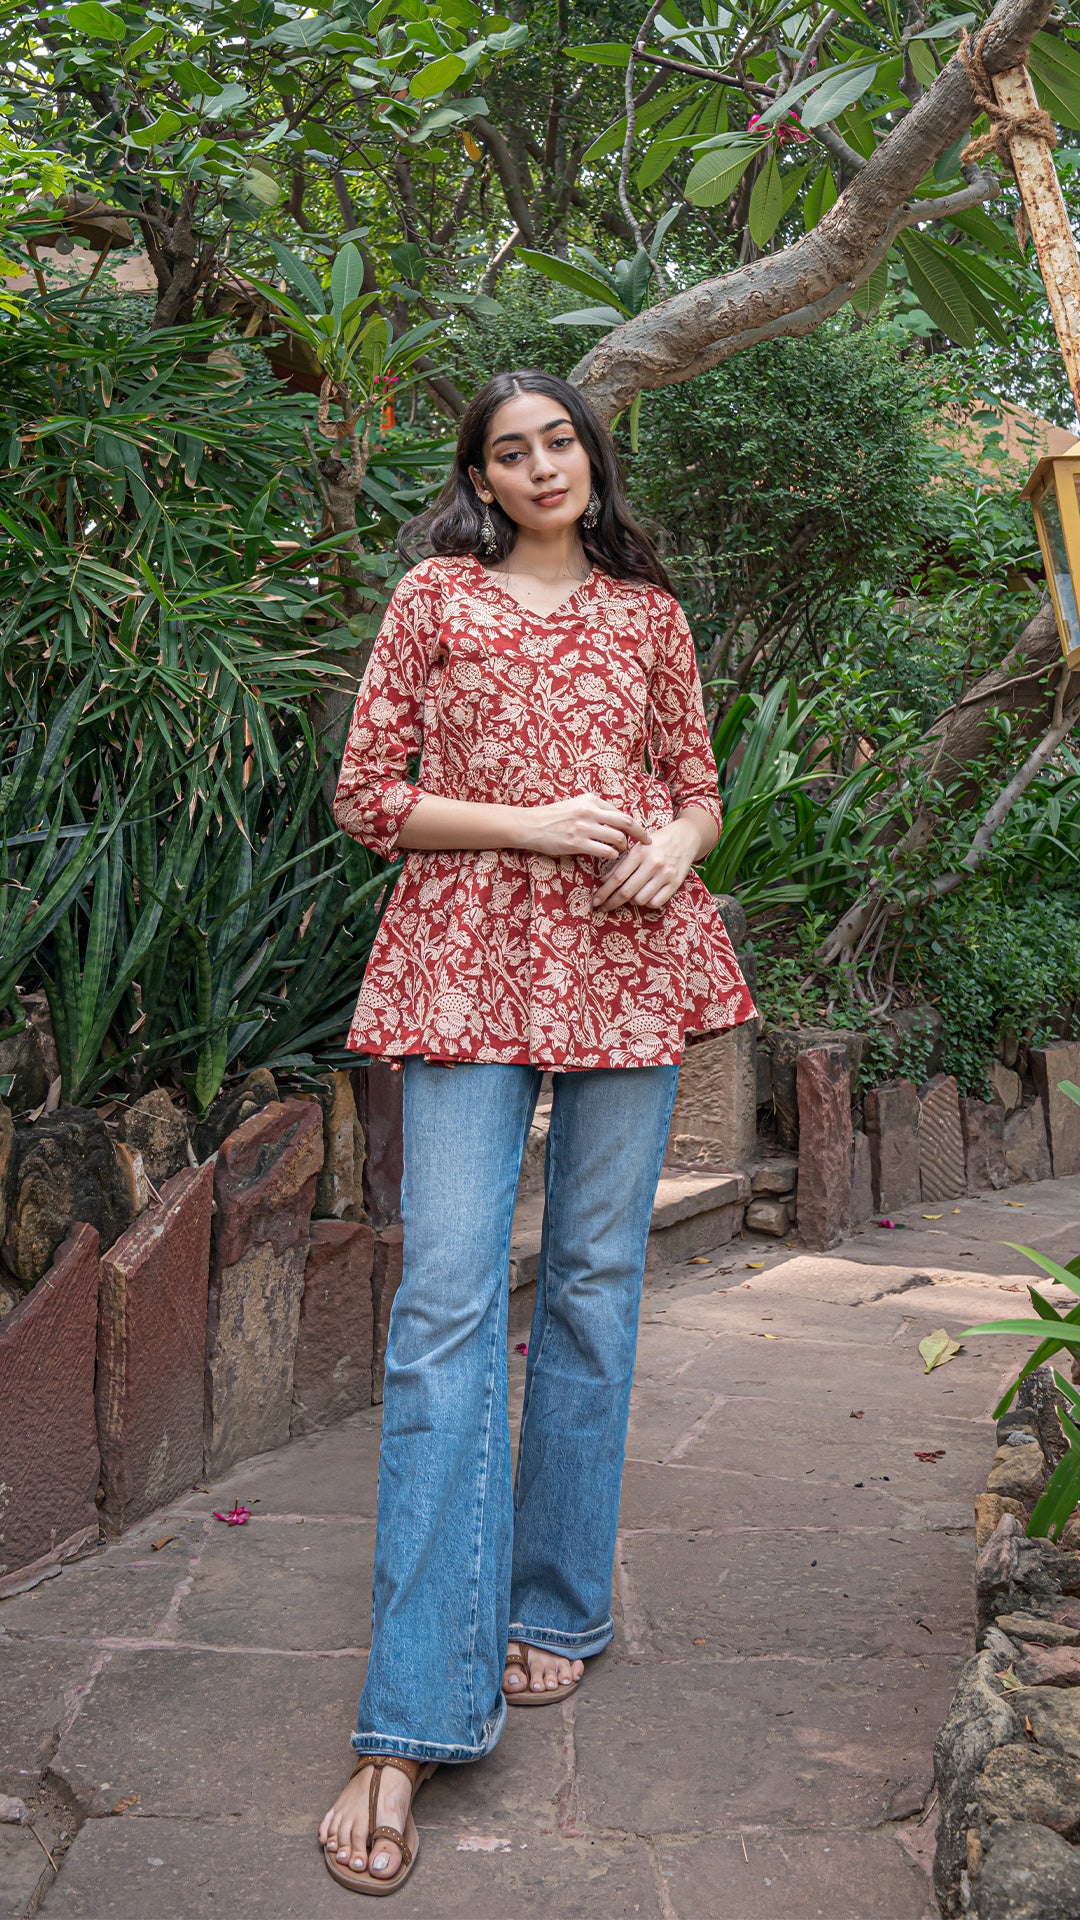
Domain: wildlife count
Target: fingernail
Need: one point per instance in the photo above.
(381, 1862)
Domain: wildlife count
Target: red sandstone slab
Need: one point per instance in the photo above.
(823, 1083)
(264, 1190)
(892, 1126)
(1049, 1066)
(49, 1461)
(332, 1370)
(942, 1162)
(982, 1123)
(152, 1351)
(385, 1281)
(378, 1089)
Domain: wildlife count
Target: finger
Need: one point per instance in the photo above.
(622, 875)
(638, 888)
(627, 824)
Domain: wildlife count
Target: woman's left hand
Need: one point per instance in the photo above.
(649, 876)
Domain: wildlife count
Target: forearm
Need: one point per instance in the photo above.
(440, 825)
(701, 831)
(581, 825)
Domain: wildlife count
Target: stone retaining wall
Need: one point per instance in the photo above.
(247, 1298)
(222, 1319)
(1007, 1760)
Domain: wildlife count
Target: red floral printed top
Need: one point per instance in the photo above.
(501, 956)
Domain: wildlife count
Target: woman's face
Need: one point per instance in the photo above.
(534, 465)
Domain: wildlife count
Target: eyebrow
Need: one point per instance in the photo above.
(563, 420)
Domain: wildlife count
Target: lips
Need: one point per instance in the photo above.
(550, 499)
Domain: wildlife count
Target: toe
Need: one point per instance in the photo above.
(385, 1861)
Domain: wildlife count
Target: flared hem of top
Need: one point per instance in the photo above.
(445, 1053)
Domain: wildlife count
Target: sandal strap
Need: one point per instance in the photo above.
(412, 1770)
(380, 1760)
(518, 1658)
(395, 1839)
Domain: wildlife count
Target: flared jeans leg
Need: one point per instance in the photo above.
(440, 1612)
(606, 1144)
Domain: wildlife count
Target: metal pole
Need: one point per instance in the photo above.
(1036, 176)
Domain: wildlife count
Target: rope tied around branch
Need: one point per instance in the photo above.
(1004, 122)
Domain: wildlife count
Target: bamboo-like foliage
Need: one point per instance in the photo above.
(168, 866)
(795, 833)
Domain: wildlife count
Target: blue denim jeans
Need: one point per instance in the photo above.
(464, 1561)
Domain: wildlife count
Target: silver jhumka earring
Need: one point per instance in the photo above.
(488, 542)
(592, 512)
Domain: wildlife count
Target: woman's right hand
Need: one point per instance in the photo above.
(582, 826)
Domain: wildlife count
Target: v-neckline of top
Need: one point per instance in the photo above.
(531, 613)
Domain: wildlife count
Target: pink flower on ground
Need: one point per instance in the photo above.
(886, 1223)
(235, 1517)
(522, 1347)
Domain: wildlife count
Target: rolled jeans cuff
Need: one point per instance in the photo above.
(579, 1646)
(363, 1743)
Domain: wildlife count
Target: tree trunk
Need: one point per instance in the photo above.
(791, 292)
(1030, 681)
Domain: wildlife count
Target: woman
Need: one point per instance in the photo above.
(547, 917)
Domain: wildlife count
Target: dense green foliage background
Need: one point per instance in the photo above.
(186, 601)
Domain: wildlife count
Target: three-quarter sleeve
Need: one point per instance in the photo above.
(374, 798)
(679, 746)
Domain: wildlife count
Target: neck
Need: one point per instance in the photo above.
(554, 556)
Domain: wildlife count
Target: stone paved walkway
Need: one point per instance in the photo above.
(794, 1603)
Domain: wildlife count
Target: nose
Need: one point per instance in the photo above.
(543, 466)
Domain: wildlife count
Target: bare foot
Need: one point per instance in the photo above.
(345, 1828)
(547, 1671)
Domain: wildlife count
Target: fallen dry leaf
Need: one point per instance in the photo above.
(755, 1266)
(129, 1800)
(1008, 1679)
(1014, 1203)
(936, 1348)
(857, 1415)
(937, 1453)
(699, 1260)
(163, 1542)
(1030, 1731)
(932, 1216)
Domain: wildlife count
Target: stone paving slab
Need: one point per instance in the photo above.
(39, 1687)
(320, 1474)
(201, 1870)
(122, 1591)
(826, 1576)
(757, 1743)
(800, 1876)
(296, 1585)
(205, 1734)
(788, 1742)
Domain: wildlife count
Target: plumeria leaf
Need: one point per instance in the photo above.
(937, 1348)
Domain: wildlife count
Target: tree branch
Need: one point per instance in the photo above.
(791, 291)
(636, 51)
(509, 177)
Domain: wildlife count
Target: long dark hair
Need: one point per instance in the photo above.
(617, 544)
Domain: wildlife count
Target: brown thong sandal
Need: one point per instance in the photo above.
(524, 1696)
(408, 1842)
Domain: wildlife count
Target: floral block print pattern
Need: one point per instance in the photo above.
(501, 956)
